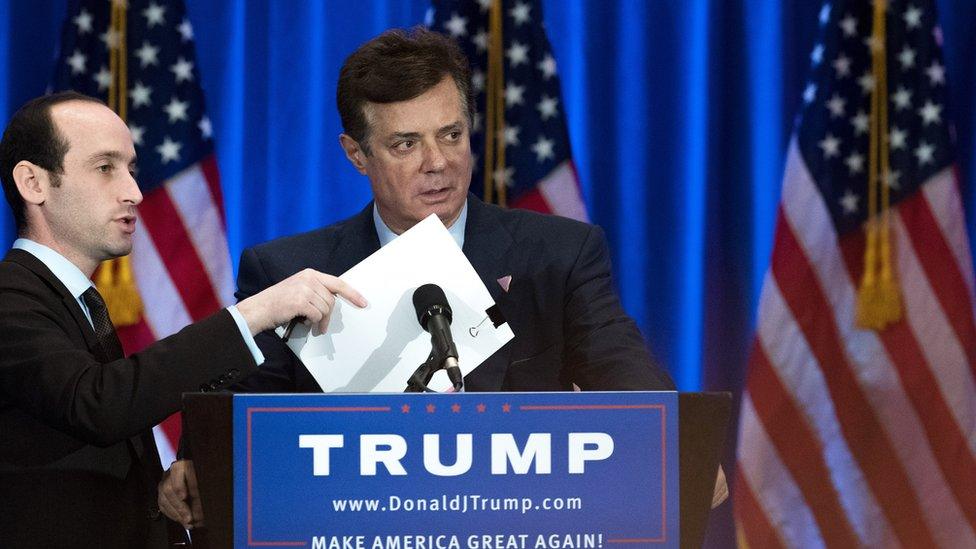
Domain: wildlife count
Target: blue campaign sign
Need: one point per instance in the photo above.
(456, 470)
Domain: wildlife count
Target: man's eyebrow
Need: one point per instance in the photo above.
(110, 155)
(405, 135)
(450, 128)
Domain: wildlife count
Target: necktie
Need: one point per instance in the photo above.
(104, 330)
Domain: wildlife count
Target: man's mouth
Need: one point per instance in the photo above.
(128, 223)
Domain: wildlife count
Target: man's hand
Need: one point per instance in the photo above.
(179, 497)
(308, 294)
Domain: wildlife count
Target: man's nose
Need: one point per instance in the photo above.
(131, 193)
(434, 159)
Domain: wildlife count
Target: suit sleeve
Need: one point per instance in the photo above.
(47, 372)
(604, 348)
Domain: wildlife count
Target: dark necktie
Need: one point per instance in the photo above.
(104, 330)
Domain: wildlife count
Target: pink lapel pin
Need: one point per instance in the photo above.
(505, 282)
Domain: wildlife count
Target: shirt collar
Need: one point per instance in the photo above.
(67, 272)
(386, 235)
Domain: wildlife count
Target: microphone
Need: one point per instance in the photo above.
(434, 315)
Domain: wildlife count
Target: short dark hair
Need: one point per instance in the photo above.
(32, 135)
(398, 65)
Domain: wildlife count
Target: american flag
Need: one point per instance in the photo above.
(849, 436)
(538, 171)
(180, 260)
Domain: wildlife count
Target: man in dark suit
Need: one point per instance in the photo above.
(78, 465)
(405, 104)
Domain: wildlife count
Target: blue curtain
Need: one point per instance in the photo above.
(679, 114)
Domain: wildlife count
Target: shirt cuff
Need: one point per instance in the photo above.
(246, 334)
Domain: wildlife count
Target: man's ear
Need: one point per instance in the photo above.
(32, 182)
(353, 152)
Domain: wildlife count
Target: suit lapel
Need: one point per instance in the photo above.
(357, 241)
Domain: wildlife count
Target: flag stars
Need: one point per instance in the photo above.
(83, 21)
(148, 55)
(874, 43)
(139, 94)
(503, 177)
(860, 122)
(547, 66)
(816, 56)
(103, 77)
(183, 70)
(866, 81)
(907, 58)
(154, 15)
(480, 40)
(205, 127)
(484, 4)
(830, 146)
(849, 25)
(77, 62)
(176, 110)
(457, 25)
(836, 106)
(511, 135)
(513, 94)
(169, 151)
(543, 149)
(891, 179)
(824, 14)
(936, 73)
(912, 17)
(547, 107)
(476, 122)
(810, 93)
(849, 202)
(842, 65)
(896, 138)
(110, 38)
(855, 163)
(520, 13)
(137, 133)
(517, 53)
(930, 113)
(186, 30)
(924, 153)
(902, 98)
(478, 80)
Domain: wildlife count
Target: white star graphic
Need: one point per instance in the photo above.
(103, 77)
(891, 179)
(140, 95)
(924, 153)
(77, 62)
(849, 25)
(830, 146)
(866, 82)
(485, 4)
(186, 30)
(110, 38)
(457, 25)
(480, 40)
(547, 107)
(860, 123)
(836, 106)
(912, 17)
(547, 66)
(816, 56)
(874, 44)
(176, 110)
(843, 66)
(520, 13)
(896, 138)
(148, 55)
(936, 73)
(810, 93)
(83, 21)
(137, 133)
(503, 177)
(902, 98)
(154, 15)
(543, 149)
(907, 58)
(930, 113)
(206, 128)
(849, 202)
(855, 163)
(511, 135)
(517, 54)
(169, 150)
(478, 80)
(183, 70)
(513, 94)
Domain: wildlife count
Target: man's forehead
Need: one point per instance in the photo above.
(435, 109)
(92, 129)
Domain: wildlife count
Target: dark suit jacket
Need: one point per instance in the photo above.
(568, 323)
(78, 465)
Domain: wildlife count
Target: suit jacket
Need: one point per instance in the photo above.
(568, 322)
(78, 465)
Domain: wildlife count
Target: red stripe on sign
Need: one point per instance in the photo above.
(939, 264)
(862, 429)
(178, 254)
(210, 172)
(798, 448)
(750, 517)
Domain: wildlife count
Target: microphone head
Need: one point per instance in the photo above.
(428, 300)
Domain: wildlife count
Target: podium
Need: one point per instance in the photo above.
(209, 419)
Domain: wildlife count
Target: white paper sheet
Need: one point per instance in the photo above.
(376, 349)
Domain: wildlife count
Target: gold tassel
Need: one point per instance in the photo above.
(879, 296)
(114, 278)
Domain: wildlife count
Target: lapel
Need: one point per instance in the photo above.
(356, 241)
(488, 246)
(34, 265)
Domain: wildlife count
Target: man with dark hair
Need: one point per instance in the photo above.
(406, 111)
(78, 465)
